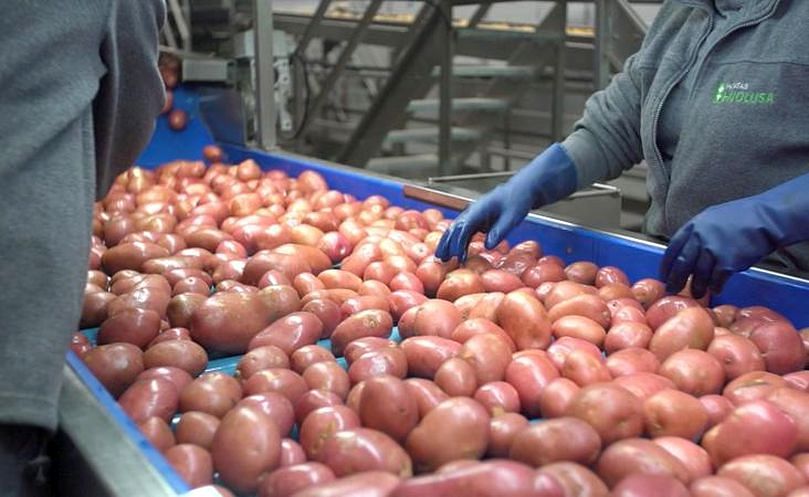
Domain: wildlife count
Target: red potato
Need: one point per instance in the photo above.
(497, 280)
(274, 405)
(288, 480)
(425, 354)
(456, 377)
(385, 405)
(627, 335)
(193, 463)
(154, 397)
(303, 283)
(579, 327)
(648, 291)
(288, 383)
(695, 459)
(264, 357)
(794, 404)
(632, 360)
(289, 333)
(561, 439)
(644, 385)
(780, 345)
(313, 256)
(402, 301)
(613, 411)
(387, 361)
(615, 291)
(372, 322)
(374, 288)
(321, 424)
(801, 461)
(543, 272)
(757, 427)
(426, 394)
(469, 303)
(563, 347)
(637, 455)
(690, 328)
(182, 354)
(764, 475)
(799, 380)
(335, 278)
(480, 326)
(458, 283)
(433, 317)
(752, 386)
(608, 275)
(556, 397)
(315, 399)
(583, 272)
(667, 307)
(717, 407)
(131, 256)
(365, 484)
(718, 486)
(725, 314)
(359, 303)
(94, 308)
(642, 485)
(381, 271)
(308, 355)
(737, 354)
(431, 273)
(498, 397)
(529, 375)
(623, 313)
(588, 306)
(584, 369)
(406, 281)
(497, 477)
(675, 414)
(335, 245)
(246, 445)
(327, 311)
(178, 377)
(524, 319)
(489, 357)
(227, 322)
(196, 427)
(328, 376)
(431, 443)
(158, 433)
(181, 308)
(574, 479)
(213, 393)
(360, 346)
(363, 449)
(694, 371)
(115, 365)
(503, 428)
(486, 307)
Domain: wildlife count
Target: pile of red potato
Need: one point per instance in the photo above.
(639, 393)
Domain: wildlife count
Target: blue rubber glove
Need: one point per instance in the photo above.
(551, 176)
(731, 237)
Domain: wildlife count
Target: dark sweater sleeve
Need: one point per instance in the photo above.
(131, 93)
(606, 140)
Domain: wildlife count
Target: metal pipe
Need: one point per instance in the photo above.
(311, 28)
(601, 65)
(558, 104)
(265, 74)
(445, 91)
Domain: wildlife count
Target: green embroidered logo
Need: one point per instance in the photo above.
(739, 93)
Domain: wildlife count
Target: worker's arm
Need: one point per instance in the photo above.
(606, 140)
(731, 237)
(131, 93)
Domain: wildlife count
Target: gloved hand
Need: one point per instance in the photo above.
(731, 237)
(551, 176)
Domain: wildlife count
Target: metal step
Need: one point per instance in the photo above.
(404, 163)
(473, 103)
(430, 135)
(489, 71)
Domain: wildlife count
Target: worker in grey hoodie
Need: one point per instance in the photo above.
(79, 93)
(716, 102)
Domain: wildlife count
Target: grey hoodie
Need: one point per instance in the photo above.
(732, 76)
(79, 92)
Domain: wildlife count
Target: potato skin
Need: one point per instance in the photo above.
(368, 323)
(363, 449)
(246, 444)
(560, 439)
(431, 444)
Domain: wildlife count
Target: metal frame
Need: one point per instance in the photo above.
(266, 115)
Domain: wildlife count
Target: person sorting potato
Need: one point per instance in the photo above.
(79, 92)
(715, 101)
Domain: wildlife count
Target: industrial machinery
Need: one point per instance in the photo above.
(243, 97)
